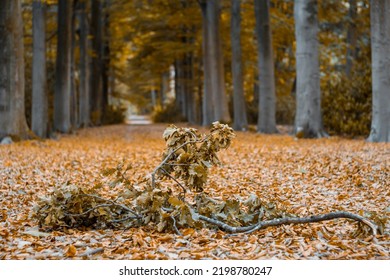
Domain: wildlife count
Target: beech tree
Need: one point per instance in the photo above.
(96, 82)
(39, 114)
(380, 47)
(12, 114)
(214, 98)
(351, 37)
(62, 94)
(267, 99)
(84, 98)
(240, 117)
(308, 118)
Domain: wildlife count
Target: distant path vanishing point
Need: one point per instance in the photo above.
(139, 120)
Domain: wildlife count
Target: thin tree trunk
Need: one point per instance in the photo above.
(164, 88)
(105, 57)
(179, 86)
(84, 100)
(351, 38)
(207, 98)
(267, 97)
(39, 114)
(189, 85)
(308, 118)
(74, 116)
(240, 117)
(96, 83)
(380, 46)
(62, 95)
(12, 114)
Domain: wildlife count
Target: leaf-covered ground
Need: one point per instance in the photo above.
(304, 176)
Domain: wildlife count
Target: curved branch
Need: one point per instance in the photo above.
(292, 220)
(89, 210)
(113, 203)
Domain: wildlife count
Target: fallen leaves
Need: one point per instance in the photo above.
(305, 176)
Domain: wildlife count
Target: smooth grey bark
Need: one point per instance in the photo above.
(239, 108)
(267, 98)
(84, 98)
(12, 110)
(39, 113)
(62, 93)
(380, 48)
(214, 59)
(96, 83)
(308, 118)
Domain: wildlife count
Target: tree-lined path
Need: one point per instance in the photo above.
(117, 140)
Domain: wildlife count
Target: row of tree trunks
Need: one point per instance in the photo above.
(186, 95)
(93, 89)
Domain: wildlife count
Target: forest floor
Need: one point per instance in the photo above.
(305, 177)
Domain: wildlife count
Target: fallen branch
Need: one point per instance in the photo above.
(291, 220)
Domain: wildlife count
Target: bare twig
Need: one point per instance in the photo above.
(175, 227)
(123, 219)
(174, 179)
(89, 210)
(114, 203)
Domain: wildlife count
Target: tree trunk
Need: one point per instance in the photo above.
(308, 118)
(240, 117)
(179, 86)
(74, 111)
(207, 98)
(214, 59)
(164, 88)
(105, 57)
(84, 100)
(12, 114)
(39, 114)
(96, 83)
(62, 94)
(380, 46)
(267, 101)
(191, 97)
(351, 38)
